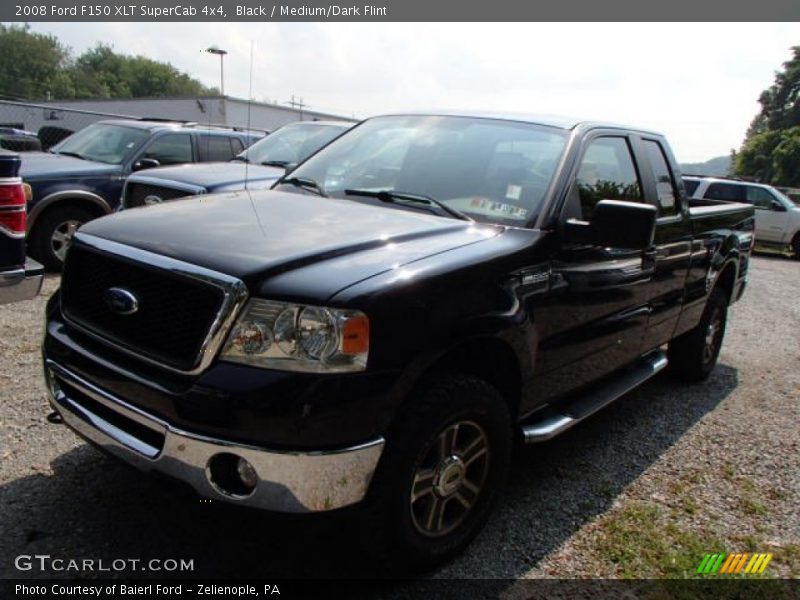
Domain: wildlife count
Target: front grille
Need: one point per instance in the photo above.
(175, 312)
(135, 194)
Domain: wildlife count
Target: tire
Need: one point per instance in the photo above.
(453, 446)
(52, 233)
(796, 246)
(693, 355)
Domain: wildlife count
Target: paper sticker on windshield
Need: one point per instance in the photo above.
(513, 192)
(489, 206)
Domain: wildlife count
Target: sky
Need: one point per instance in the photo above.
(698, 83)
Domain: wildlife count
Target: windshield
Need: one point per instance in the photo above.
(103, 143)
(291, 144)
(490, 170)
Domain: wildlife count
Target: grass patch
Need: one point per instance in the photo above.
(641, 545)
(753, 507)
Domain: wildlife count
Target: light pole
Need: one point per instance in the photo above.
(221, 53)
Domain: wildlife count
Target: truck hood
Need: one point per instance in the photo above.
(254, 235)
(211, 175)
(38, 166)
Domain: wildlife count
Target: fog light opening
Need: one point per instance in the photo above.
(231, 475)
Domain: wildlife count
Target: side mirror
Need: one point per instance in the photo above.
(777, 206)
(615, 224)
(145, 163)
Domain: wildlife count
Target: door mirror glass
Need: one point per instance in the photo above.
(777, 206)
(145, 163)
(615, 224)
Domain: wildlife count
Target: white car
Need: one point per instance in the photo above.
(777, 217)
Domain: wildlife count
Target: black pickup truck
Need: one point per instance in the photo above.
(384, 324)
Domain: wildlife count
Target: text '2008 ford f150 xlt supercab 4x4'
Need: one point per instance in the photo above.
(382, 325)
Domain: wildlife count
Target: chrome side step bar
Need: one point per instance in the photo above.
(564, 417)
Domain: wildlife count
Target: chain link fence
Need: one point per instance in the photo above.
(25, 126)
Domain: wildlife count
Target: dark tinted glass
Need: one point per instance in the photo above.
(171, 149)
(726, 191)
(759, 197)
(665, 186)
(215, 148)
(690, 185)
(607, 172)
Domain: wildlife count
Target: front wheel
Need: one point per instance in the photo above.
(796, 246)
(445, 460)
(693, 355)
(53, 234)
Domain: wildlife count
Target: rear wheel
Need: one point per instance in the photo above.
(796, 246)
(53, 234)
(444, 462)
(693, 355)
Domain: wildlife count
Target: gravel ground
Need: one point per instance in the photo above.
(642, 489)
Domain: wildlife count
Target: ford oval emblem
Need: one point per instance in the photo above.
(121, 301)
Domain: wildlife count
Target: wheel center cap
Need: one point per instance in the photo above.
(449, 475)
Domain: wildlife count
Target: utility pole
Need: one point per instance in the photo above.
(297, 103)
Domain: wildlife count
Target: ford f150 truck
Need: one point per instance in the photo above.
(258, 167)
(81, 178)
(384, 324)
(20, 277)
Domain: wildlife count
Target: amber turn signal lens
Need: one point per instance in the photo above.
(355, 335)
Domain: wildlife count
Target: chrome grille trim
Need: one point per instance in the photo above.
(234, 291)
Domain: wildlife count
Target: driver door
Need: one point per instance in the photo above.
(597, 324)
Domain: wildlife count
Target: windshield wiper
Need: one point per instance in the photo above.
(75, 154)
(393, 196)
(305, 183)
(275, 163)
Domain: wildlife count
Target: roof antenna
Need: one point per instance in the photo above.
(249, 103)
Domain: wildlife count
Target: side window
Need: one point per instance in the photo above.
(607, 172)
(215, 148)
(759, 197)
(171, 149)
(237, 145)
(665, 186)
(726, 191)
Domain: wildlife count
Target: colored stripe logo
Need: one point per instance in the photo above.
(732, 564)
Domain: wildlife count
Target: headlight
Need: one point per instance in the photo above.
(292, 337)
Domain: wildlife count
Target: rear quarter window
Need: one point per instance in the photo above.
(690, 186)
(217, 148)
(726, 191)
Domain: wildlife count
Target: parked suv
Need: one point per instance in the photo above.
(258, 167)
(777, 217)
(81, 177)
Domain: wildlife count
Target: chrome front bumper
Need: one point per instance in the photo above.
(21, 284)
(293, 482)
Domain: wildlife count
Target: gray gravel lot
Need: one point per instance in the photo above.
(642, 489)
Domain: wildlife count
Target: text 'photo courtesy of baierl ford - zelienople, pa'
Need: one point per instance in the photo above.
(307, 300)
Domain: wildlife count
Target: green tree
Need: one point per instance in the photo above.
(31, 64)
(36, 66)
(771, 150)
(101, 72)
